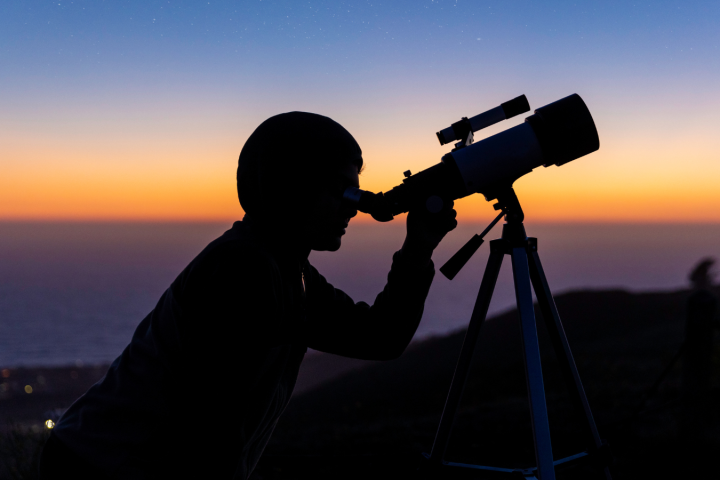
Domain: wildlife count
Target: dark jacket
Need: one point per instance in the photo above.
(208, 372)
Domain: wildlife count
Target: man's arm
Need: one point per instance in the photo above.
(336, 324)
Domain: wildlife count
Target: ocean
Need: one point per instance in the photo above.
(73, 293)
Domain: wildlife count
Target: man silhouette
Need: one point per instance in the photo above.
(200, 387)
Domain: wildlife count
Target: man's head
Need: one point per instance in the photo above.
(291, 175)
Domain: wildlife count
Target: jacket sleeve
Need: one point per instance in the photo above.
(336, 324)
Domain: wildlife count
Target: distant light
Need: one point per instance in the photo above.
(49, 424)
(28, 389)
(6, 373)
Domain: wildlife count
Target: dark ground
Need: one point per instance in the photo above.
(377, 418)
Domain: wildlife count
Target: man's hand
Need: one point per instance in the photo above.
(425, 231)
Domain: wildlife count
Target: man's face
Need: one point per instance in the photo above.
(328, 217)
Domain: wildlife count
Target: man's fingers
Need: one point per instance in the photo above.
(449, 226)
(449, 216)
(444, 221)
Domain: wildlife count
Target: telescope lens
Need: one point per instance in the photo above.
(565, 130)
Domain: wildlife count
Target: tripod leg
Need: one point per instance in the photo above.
(533, 366)
(492, 270)
(562, 347)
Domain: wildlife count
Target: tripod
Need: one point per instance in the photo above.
(526, 269)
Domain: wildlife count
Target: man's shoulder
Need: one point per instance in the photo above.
(236, 246)
(233, 256)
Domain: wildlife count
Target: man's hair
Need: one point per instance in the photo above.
(289, 153)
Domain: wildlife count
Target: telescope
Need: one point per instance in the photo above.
(555, 134)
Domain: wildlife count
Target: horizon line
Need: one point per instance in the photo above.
(365, 219)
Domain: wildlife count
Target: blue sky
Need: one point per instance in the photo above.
(394, 72)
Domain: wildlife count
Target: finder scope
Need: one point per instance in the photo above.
(461, 129)
(554, 135)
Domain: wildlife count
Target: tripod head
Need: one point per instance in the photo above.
(508, 202)
(513, 230)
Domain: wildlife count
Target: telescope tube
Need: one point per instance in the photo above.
(555, 134)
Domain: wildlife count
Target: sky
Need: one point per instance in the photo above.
(137, 110)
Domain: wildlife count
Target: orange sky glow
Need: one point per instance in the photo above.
(155, 178)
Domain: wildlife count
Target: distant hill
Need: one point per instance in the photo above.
(621, 342)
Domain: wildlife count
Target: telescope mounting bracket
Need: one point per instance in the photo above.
(509, 205)
(463, 130)
(508, 202)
